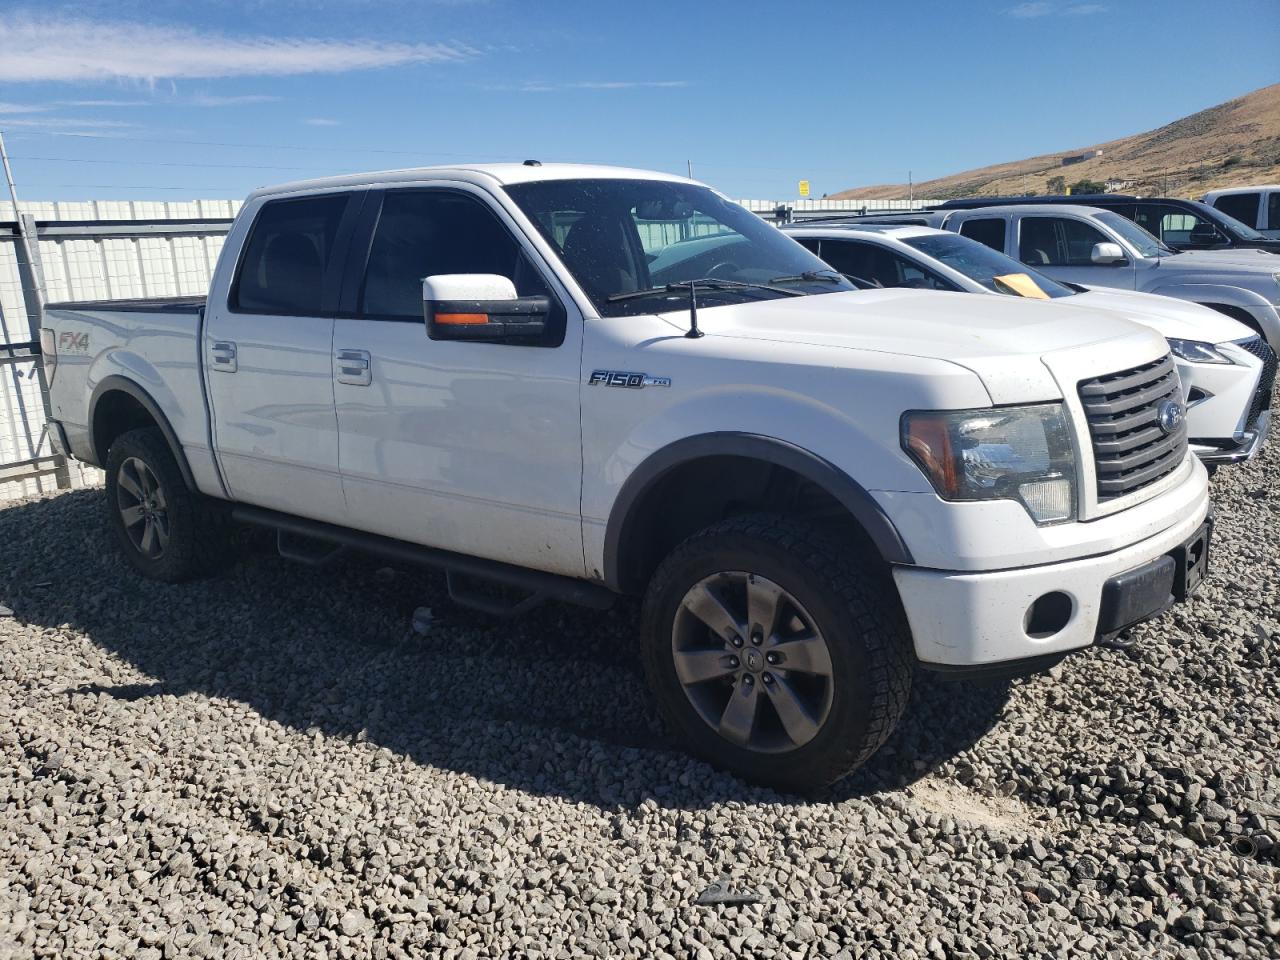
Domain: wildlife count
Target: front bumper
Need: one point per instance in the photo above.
(966, 620)
(1239, 452)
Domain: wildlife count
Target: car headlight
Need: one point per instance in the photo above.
(1002, 453)
(1196, 351)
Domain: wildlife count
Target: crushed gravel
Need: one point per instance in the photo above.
(281, 762)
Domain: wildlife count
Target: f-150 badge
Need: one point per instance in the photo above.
(624, 378)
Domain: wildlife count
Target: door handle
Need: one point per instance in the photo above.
(223, 356)
(352, 366)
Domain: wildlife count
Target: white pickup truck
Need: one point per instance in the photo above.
(532, 376)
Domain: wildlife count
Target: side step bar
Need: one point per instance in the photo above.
(552, 585)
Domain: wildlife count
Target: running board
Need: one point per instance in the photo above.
(533, 582)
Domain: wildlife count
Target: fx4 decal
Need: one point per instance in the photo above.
(70, 342)
(624, 378)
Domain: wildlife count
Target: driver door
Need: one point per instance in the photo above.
(1062, 248)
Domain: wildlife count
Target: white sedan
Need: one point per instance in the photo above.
(1227, 370)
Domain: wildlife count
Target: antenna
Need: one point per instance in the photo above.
(694, 333)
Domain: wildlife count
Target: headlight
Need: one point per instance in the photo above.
(1003, 453)
(1196, 351)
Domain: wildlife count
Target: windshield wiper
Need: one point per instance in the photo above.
(705, 283)
(812, 276)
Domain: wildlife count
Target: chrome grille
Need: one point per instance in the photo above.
(1262, 398)
(1131, 450)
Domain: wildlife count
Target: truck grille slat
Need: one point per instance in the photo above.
(1131, 449)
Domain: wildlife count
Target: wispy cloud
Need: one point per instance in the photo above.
(1042, 8)
(209, 100)
(322, 122)
(104, 103)
(548, 86)
(10, 108)
(44, 48)
(62, 123)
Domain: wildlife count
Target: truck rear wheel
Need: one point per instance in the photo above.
(773, 653)
(166, 531)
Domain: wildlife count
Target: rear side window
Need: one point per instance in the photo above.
(1242, 206)
(282, 270)
(986, 230)
(1273, 211)
(879, 267)
(1057, 242)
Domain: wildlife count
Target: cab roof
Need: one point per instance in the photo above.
(483, 174)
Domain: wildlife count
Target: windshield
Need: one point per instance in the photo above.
(979, 262)
(1227, 222)
(1134, 235)
(626, 236)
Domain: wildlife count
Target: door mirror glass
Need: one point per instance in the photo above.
(480, 306)
(1106, 253)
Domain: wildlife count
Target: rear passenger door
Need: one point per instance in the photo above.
(1062, 248)
(469, 446)
(267, 349)
(878, 265)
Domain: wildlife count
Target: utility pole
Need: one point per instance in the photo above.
(911, 190)
(690, 165)
(34, 298)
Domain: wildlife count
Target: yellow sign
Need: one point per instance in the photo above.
(1022, 285)
(804, 188)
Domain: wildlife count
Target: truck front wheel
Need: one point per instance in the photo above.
(166, 531)
(773, 653)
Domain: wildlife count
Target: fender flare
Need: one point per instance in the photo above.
(118, 384)
(812, 467)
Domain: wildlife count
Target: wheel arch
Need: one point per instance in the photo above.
(627, 562)
(119, 404)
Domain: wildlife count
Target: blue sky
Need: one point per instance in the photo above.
(168, 100)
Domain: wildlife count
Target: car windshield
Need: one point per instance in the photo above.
(620, 237)
(977, 261)
(1134, 235)
(1226, 221)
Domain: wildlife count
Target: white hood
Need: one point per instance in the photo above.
(1006, 341)
(1169, 317)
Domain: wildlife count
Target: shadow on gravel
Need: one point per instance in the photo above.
(553, 703)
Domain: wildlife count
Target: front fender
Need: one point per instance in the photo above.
(1215, 295)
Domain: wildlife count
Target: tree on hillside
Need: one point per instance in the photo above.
(1057, 185)
(1088, 186)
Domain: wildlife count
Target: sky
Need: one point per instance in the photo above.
(169, 99)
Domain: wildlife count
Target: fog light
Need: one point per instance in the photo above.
(1047, 500)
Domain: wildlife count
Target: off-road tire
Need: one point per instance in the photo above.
(857, 610)
(199, 530)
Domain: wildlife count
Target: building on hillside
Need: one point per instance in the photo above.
(1081, 157)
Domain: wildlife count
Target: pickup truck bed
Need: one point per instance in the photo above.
(140, 305)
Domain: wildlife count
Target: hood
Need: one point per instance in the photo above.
(1006, 341)
(1169, 317)
(1261, 262)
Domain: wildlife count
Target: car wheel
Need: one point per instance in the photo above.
(773, 653)
(165, 530)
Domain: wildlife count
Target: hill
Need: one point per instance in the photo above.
(1233, 144)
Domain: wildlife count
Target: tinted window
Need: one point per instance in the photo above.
(1179, 225)
(621, 237)
(879, 266)
(1057, 242)
(1273, 211)
(985, 230)
(423, 233)
(289, 247)
(1242, 206)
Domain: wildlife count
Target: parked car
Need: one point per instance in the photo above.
(1227, 370)
(1181, 224)
(1100, 248)
(614, 381)
(1257, 207)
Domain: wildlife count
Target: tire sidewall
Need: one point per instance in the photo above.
(850, 714)
(149, 446)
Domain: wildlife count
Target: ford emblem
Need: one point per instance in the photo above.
(1171, 415)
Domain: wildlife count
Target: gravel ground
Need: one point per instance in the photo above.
(272, 763)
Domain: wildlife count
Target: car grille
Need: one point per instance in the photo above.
(1131, 450)
(1262, 398)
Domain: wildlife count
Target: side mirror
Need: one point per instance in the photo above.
(480, 306)
(1203, 235)
(1107, 253)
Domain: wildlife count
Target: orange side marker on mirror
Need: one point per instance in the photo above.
(460, 319)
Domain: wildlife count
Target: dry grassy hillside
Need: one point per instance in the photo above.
(1234, 143)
